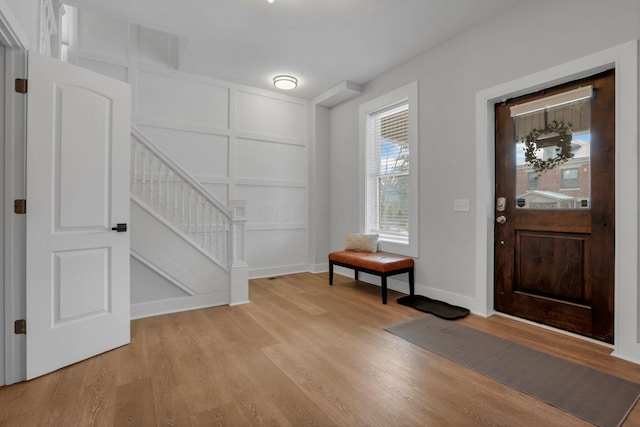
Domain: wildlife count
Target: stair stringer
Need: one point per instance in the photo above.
(171, 255)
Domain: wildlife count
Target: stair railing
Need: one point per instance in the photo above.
(163, 186)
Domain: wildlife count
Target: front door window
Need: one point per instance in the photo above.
(546, 176)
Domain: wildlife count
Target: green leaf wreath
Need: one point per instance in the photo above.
(563, 149)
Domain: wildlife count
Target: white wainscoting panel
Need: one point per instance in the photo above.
(274, 205)
(270, 161)
(201, 154)
(220, 191)
(260, 114)
(117, 72)
(284, 249)
(156, 47)
(181, 102)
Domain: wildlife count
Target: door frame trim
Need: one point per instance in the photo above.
(15, 41)
(14, 225)
(624, 58)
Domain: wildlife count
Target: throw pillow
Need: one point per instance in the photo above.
(362, 242)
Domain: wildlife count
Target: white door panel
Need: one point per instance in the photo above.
(78, 126)
(81, 148)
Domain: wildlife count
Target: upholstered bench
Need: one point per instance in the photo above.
(378, 263)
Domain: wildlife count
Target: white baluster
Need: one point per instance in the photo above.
(189, 210)
(196, 222)
(199, 221)
(169, 199)
(218, 236)
(203, 206)
(176, 190)
(151, 192)
(210, 233)
(143, 156)
(227, 238)
(160, 166)
(134, 166)
(167, 193)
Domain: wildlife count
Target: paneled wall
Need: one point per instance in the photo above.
(240, 142)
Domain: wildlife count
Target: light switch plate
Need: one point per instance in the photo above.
(461, 205)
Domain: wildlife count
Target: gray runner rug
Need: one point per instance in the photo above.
(594, 396)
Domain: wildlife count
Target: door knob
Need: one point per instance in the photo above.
(501, 219)
(120, 228)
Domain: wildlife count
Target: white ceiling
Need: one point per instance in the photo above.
(321, 42)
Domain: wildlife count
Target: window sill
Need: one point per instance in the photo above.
(395, 247)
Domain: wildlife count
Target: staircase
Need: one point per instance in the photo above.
(187, 248)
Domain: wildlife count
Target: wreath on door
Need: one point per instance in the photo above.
(562, 136)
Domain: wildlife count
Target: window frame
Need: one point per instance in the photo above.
(564, 181)
(532, 181)
(391, 243)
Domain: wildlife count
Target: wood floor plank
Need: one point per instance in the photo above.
(301, 353)
(224, 415)
(97, 405)
(322, 384)
(134, 405)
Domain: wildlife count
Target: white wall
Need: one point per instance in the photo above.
(26, 14)
(529, 38)
(319, 182)
(241, 143)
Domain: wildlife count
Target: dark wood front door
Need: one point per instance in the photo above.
(554, 235)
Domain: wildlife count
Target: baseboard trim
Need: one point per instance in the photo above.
(233, 304)
(403, 286)
(319, 268)
(175, 305)
(259, 273)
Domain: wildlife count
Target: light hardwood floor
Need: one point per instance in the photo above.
(301, 353)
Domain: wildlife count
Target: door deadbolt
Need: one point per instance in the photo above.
(501, 219)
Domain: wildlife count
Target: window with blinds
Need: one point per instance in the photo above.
(389, 193)
(388, 172)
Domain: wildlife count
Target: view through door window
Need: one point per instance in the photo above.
(553, 155)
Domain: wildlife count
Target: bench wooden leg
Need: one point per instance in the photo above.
(330, 273)
(356, 274)
(411, 283)
(384, 289)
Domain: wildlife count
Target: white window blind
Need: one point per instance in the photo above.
(388, 172)
(552, 101)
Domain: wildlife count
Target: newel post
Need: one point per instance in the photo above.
(239, 267)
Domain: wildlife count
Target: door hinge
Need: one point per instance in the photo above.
(20, 206)
(20, 327)
(21, 85)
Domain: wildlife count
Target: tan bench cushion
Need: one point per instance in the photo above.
(377, 261)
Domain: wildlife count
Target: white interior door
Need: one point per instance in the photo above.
(78, 127)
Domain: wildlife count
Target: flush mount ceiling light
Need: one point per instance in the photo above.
(285, 82)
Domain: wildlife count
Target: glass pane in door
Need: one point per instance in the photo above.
(553, 159)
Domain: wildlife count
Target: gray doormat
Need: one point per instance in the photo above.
(438, 308)
(599, 398)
